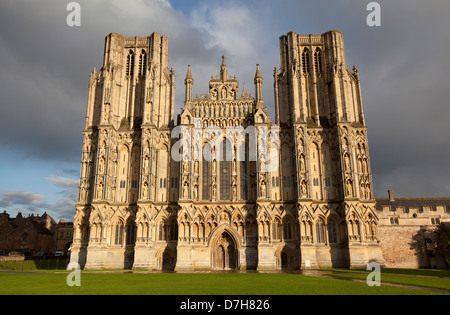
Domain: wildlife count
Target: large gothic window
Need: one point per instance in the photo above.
(318, 60)
(243, 168)
(225, 170)
(118, 240)
(162, 171)
(206, 174)
(122, 175)
(332, 231)
(305, 60)
(320, 231)
(142, 63)
(130, 64)
(131, 233)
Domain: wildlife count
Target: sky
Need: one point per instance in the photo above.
(45, 66)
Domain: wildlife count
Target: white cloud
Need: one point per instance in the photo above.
(20, 198)
(63, 182)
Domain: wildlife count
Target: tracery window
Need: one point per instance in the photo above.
(305, 60)
(318, 60)
(332, 232)
(206, 175)
(243, 167)
(131, 233)
(320, 231)
(118, 240)
(130, 64)
(225, 171)
(143, 63)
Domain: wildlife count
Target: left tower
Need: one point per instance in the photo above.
(126, 165)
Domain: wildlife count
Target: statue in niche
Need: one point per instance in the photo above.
(234, 189)
(145, 190)
(185, 190)
(195, 192)
(100, 190)
(302, 162)
(145, 166)
(368, 194)
(349, 188)
(303, 188)
(347, 162)
(263, 188)
(186, 167)
(214, 190)
(224, 93)
(101, 167)
(113, 192)
(196, 167)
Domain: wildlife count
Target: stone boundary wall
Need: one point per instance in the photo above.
(403, 247)
(12, 258)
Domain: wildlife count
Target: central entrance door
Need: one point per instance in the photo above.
(224, 253)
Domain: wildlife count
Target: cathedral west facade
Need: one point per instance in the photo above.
(225, 187)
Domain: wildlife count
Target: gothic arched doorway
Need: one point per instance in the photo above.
(285, 258)
(224, 253)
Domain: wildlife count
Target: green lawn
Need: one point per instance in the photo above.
(194, 284)
(437, 279)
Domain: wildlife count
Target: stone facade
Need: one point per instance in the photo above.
(245, 192)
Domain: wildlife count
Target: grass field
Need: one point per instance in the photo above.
(92, 283)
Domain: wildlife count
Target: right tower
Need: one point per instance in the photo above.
(318, 102)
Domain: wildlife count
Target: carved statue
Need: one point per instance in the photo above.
(304, 190)
(349, 188)
(196, 167)
(214, 191)
(195, 192)
(145, 190)
(145, 167)
(185, 190)
(263, 188)
(347, 162)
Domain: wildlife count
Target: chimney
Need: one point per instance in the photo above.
(391, 195)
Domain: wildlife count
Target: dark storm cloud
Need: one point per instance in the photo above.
(45, 66)
(403, 65)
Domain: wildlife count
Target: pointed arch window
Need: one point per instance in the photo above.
(206, 173)
(143, 64)
(118, 240)
(162, 230)
(320, 231)
(276, 229)
(287, 229)
(305, 60)
(130, 64)
(332, 231)
(131, 233)
(225, 170)
(318, 60)
(243, 168)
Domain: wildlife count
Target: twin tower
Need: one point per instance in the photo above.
(211, 203)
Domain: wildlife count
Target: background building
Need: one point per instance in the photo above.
(32, 234)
